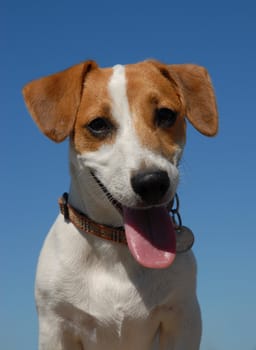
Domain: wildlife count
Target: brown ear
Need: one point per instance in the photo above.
(198, 95)
(53, 101)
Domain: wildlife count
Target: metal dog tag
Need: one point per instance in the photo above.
(184, 239)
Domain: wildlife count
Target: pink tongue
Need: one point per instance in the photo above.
(151, 236)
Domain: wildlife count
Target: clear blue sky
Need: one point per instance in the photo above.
(217, 189)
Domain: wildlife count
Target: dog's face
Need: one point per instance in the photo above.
(130, 131)
(127, 125)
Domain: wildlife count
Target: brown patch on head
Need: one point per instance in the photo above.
(95, 103)
(185, 89)
(63, 104)
(150, 88)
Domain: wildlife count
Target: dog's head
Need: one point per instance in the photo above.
(127, 124)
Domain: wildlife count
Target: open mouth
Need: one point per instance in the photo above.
(150, 232)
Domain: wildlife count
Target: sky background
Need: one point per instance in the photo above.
(217, 188)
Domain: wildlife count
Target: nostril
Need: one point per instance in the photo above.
(151, 186)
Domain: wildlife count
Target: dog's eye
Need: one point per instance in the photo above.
(165, 117)
(100, 127)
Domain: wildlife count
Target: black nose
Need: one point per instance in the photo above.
(151, 186)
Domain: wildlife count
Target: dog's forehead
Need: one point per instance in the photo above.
(138, 81)
(147, 75)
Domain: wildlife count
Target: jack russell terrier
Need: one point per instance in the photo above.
(113, 274)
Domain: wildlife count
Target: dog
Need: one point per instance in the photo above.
(109, 275)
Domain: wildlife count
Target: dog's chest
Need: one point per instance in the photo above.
(111, 308)
(103, 296)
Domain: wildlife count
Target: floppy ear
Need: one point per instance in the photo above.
(53, 101)
(198, 97)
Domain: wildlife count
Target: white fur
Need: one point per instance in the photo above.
(91, 294)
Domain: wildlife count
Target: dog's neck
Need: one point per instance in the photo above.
(86, 195)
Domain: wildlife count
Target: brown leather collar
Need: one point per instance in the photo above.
(184, 236)
(87, 225)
